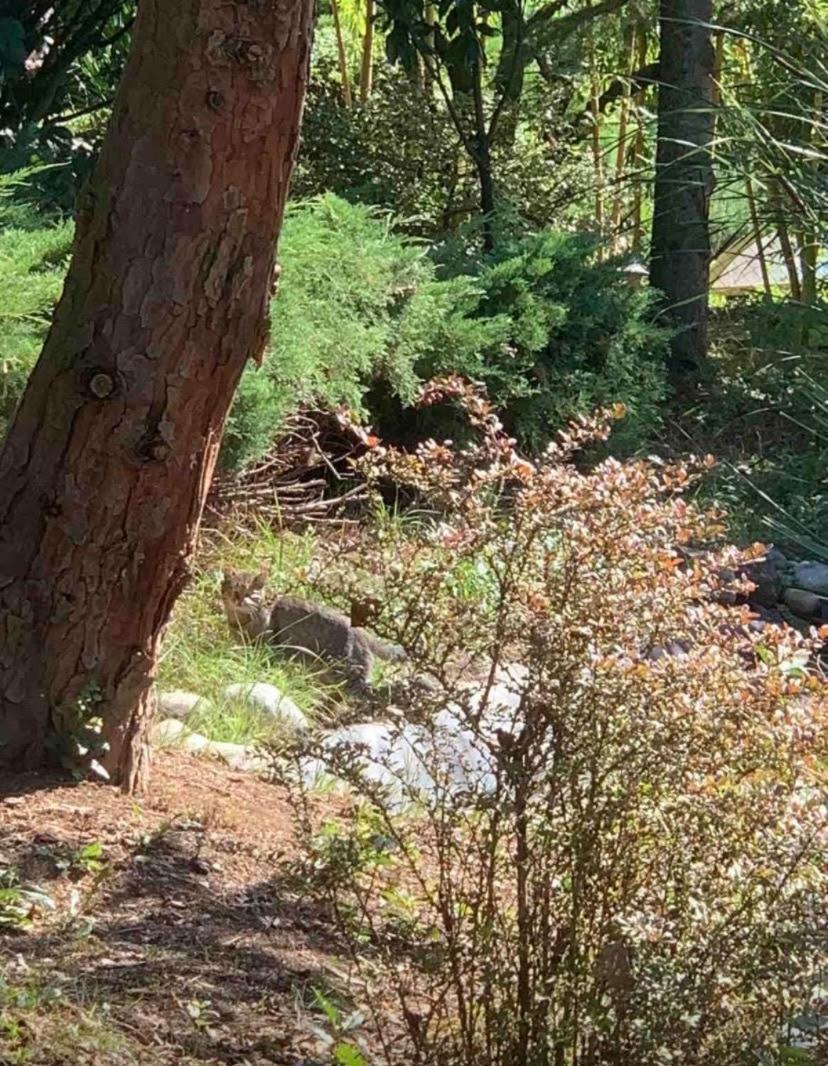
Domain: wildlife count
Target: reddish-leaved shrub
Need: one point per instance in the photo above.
(606, 839)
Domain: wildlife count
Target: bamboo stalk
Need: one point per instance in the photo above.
(775, 197)
(597, 161)
(347, 95)
(716, 92)
(757, 235)
(785, 244)
(621, 150)
(638, 148)
(809, 253)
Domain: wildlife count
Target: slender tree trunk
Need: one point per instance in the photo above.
(366, 73)
(621, 150)
(105, 468)
(430, 17)
(638, 147)
(597, 157)
(680, 250)
(510, 74)
(347, 96)
(483, 162)
(784, 236)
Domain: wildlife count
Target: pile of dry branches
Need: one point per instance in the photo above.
(306, 478)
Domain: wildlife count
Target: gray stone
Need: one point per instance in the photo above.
(167, 732)
(173, 733)
(765, 576)
(813, 577)
(269, 700)
(194, 742)
(805, 604)
(179, 704)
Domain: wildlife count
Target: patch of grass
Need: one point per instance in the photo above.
(236, 722)
(256, 546)
(202, 655)
(39, 1025)
(19, 902)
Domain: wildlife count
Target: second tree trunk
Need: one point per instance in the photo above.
(680, 252)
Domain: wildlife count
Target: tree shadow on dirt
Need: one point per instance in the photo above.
(186, 952)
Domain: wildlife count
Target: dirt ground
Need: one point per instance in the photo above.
(184, 938)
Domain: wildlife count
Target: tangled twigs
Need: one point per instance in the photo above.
(306, 478)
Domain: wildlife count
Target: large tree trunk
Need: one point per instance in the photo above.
(105, 469)
(680, 253)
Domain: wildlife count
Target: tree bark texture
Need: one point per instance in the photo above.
(106, 466)
(680, 251)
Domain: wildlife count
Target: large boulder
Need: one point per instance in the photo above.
(270, 701)
(811, 576)
(179, 704)
(805, 604)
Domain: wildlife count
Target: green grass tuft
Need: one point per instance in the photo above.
(202, 655)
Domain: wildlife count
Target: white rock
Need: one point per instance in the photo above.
(167, 732)
(194, 742)
(813, 577)
(389, 755)
(172, 732)
(238, 757)
(179, 704)
(269, 700)
(410, 760)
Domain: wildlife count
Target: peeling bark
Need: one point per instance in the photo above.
(105, 468)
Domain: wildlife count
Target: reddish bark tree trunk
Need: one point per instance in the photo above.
(105, 469)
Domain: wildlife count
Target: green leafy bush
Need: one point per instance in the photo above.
(599, 836)
(364, 315)
(358, 303)
(577, 337)
(768, 422)
(396, 150)
(399, 150)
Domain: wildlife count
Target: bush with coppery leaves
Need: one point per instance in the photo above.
(604, 840)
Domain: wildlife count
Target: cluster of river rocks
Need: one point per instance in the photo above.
(785, 588)
(785, 591)
(404, 756)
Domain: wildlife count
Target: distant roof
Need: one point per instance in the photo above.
(743, 272)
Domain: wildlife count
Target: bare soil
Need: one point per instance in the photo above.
(193, 941)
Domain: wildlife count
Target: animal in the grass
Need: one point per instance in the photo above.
(295, 624)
